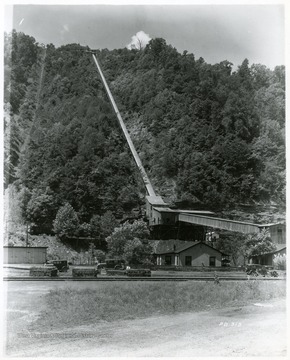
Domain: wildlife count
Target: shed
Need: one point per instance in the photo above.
(267, 259)
(190, 254)
(24, 255)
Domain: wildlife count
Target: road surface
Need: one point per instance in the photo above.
(258, 329)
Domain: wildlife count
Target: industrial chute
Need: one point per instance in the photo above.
(150, 191)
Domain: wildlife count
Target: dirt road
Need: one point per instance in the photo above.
(254, 330)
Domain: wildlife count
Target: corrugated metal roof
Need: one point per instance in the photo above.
(197, 212)
(205, 212)
(219, 223)
(164, 209)
(206, 215)
(272, 224)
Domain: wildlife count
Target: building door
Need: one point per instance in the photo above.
(212, 261)
(188, 260)
(167, 259)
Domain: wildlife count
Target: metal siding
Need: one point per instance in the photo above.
(219, 223)
(28, 256)
(25, 255)
(275, 234)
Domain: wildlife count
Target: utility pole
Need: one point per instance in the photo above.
(26, 234)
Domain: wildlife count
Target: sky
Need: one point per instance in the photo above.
(214, 32)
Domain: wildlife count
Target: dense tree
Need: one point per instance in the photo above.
(204, 132)
(66, 223)
(101, 226)
(241, 247)
(258, 244)
(232, 244)
(126, 240)
(41, 210)
(21, 58)
(137, 252)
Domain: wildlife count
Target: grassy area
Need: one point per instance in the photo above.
(115, 301)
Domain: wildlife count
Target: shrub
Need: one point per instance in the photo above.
(216, 279)
(252, 269)
(274, 273)
(263, 271)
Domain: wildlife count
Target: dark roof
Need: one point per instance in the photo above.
(199, 212)
(178, 246)
(162, 246)
(178, 211)
(279, 247)
(164, 209)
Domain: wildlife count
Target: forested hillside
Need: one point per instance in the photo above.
(207, 135)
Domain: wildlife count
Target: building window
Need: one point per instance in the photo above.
(212, 261)
(167, 259)
(188, 260)
(280, 237)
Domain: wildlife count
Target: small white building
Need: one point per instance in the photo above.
(197, 254)
(24, 255)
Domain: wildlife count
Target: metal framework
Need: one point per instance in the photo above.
(218, 223)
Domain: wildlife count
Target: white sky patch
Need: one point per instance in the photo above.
(21, 21)
(63, 31)
(7, 15)
(65, 28)
(139, 41)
